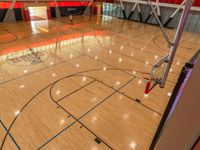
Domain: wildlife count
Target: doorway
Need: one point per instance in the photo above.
(38, 13)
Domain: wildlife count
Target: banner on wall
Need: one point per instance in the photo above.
(66, 11)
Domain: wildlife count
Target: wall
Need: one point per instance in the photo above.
(196, 2)
(69, 8)
(193, 23)
(40, 11)
(4, 6)
(183, 127)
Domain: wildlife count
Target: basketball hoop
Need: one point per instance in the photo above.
(147, 77)
(150, 82)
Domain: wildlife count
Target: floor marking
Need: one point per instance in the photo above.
(18, 147)
(126, 55)
(78, 120)
(97, 140)
(4, 82)
(122, 69)
(133, 99)
(30, 100)
(8, 130)
(75, 91)
(137, 100)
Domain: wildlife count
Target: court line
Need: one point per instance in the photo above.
(21, 111)
(154, 43)
(76, 90)
(31, 99)
(92, 108)
(111, 87)
(18, 147)
(178, 56)
(94, 78)
(8, 32)
(122, 54)
(133, 99)
(4, 82)
(172, 82)
(140, 48)
(78, 120)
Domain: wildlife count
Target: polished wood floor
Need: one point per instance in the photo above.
(79, 86)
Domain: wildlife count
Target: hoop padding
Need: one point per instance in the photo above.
(149, 85)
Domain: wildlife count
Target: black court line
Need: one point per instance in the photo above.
(131, 98)
(8, 131)
(140, 40)
(127, 55)
(122, 69)
(137, 59)
(36, 94)
(111, 87)
(157, 37)
(94, 108)
(76, 90)
(78, 120)
(40, 70)
(21, 110)
(18, 147)
(15, 36)
(31, 99)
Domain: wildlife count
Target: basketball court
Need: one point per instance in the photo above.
(81, 85)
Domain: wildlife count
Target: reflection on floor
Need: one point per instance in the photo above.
(80, 86)
(36, 18)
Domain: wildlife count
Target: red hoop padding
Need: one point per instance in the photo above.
(149, 79)
(147, 89)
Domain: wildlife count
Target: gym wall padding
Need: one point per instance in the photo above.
(66, 11)
(17, 11)
(2, 14)
(4, 6)
(68, 8)
(53, 12)
(18, 14)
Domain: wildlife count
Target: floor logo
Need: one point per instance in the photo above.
(26, 58)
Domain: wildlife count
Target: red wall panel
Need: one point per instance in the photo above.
(6, 5)
(64, 4)
(49, 13)
(27, 15)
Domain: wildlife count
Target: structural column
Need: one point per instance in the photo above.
(26, 14)
(10, 15)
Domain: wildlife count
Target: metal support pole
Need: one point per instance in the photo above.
(174, 13)
(88, 10)
(158, 9)
(139, 12)
(159, 22)
(123, 9)
(132, 11)
(147, 18)
(57, 10)
(10, 15)
(179, 31)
